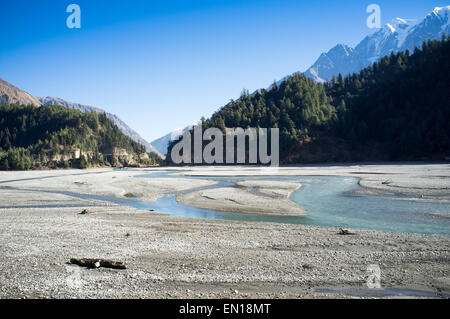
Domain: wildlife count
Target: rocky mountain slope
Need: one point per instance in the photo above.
(9, 94)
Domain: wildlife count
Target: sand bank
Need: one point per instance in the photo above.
(250, 197)
(414, 179)
(106, 182)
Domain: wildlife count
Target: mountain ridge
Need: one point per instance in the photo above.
(127, 130)
(9, 94)
(397, 35)
(54, 136)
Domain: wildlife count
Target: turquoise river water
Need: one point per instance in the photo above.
(330, 201)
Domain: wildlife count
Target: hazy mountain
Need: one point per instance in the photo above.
(9, 94)
(161, 144)
(398, 35)
(117, 121)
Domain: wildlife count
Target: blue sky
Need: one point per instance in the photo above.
(161, 65)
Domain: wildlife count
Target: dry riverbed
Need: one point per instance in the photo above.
(177, 257)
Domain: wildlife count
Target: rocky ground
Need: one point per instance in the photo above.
(173, 257)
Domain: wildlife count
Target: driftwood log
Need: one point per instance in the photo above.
(97, 263)
(85, 212)
(344, 232)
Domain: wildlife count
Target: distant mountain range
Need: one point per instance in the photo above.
(398, 35)
(395, 110)
(161, 144)
(12, 95)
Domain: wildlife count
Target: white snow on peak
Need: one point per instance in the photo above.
(398, 34)
(348, 50)
(399, 21)
(403, 28)
(441, 11)
(391, 27)
(400, 28)
(403, 23)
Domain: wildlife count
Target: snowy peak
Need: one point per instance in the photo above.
(339, 59)
(389, 38)
(390, 28)
(161, 144)
(398, 35)
(442, 14)
(341, 49)
(400, 28)
(439, 16)
(399, 24)
(441, 11)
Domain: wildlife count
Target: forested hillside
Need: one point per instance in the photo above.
(54, 136)
(396, 109)
(399, 108)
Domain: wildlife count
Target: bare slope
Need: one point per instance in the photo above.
(9, 94)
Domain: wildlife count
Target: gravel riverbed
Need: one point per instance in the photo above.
(173, 257)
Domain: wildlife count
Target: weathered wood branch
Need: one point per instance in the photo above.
(97, 263)
(344, 232)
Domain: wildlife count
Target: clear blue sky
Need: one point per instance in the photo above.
(161, 65)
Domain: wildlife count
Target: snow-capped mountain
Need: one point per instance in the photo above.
(398, 35)
(161, 144)
(390, 38)
(340, 59)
